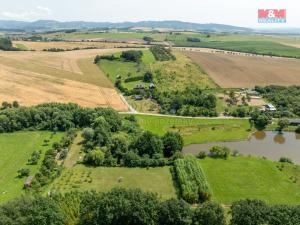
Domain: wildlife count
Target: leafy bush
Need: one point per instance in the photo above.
(219, 152)
(192, 183)
(132, 55)
(23, 172)
(285, 160)
(209, 213)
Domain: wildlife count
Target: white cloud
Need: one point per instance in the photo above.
(36, 13)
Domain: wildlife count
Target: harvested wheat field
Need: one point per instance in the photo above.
(233, 71)
(40, 46)
(36, 77)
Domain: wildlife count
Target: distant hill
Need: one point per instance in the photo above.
(177, 25)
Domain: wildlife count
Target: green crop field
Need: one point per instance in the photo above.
(15, 150)
(249, 177)
(197, 130)
(80, 177)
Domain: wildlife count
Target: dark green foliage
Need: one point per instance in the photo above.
(260, 119)
(23, 172)
(297, 130)
(219, 152)
(148, 77)
(161, 53)
(31, 211)
(174, 212)
(191, 180)
(282, 123)
(285, 160)
(249, 212)
(202, 155)
(148, 39)
(209, 213)
(132, 79)
(172, 142)
(120, 206)
(35, 156)
(98, 58)
(191, 39)
(286, 99)
(132, 55)
(192, 101)
(284, 214)
(148, 143)
(6, 44)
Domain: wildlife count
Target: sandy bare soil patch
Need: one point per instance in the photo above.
(36, 77)
(40, 46)
(233, 71)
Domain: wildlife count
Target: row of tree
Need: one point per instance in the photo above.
(134, 207)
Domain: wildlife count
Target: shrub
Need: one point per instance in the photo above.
(209, 213)
(249, 212)
(191, 39)
(173, 142)
(23, 173)
(173, 212)
(285, 160)
(219, 152)
(94, 158)
(132, 55)
(202, 155)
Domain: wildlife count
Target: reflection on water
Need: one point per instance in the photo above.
(279, 139)
(259, 135)
(269, 144)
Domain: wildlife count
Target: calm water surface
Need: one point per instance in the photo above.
(269, 144)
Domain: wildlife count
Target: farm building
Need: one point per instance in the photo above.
(270, 107)
(138, 97)
(28, 182)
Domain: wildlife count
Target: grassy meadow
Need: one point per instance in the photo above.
(80, 177)
(15, 150)
(250, 177)
(196, 131)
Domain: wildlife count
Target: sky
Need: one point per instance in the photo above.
(232, 12)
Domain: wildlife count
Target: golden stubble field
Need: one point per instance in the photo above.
(37, 77)
(235, 71)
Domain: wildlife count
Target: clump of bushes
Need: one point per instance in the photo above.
(132, 55)
(285, 160)
(221, 152)
(191, 39)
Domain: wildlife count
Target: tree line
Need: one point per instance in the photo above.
(134, 207)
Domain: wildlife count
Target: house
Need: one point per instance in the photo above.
(270, 107)
(151, 86)
(294, 122)
(139, 86)
(252, 93)
(28, 182)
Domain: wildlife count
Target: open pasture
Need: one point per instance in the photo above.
(15, 150)
(234, 71)
(250, 177)
(196, 130)
(80, 177)
(37, 77)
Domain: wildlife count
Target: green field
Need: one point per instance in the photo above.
(15, 150)
(80, 177)
(114, 68)
(249, 177)
(169, 75)
(197, 130)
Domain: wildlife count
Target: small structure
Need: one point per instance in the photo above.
(152, 86)
(270, 107)
(28, 182)
(138, 97)
(252, 93)
(294, 122)
(139, 86)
